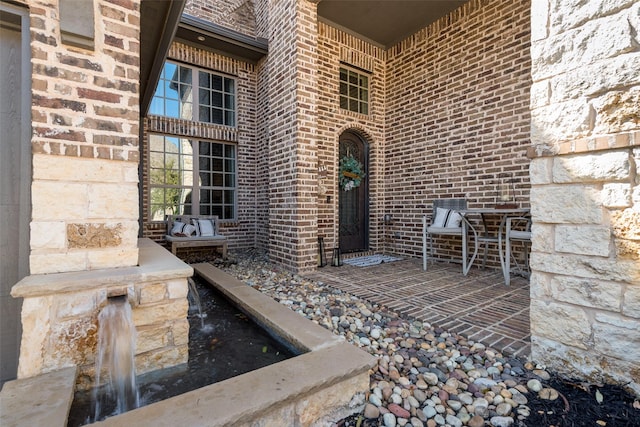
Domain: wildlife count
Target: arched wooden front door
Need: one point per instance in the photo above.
(354, 203)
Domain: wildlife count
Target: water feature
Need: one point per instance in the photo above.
(195, 297)
(116, 347)
(223, 343)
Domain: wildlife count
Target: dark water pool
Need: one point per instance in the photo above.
(223, 343)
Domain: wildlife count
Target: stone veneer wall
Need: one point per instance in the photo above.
(84, 226)
(241, 232)
(457, 117)
(60, 314)
(585, 197)
(85, 141)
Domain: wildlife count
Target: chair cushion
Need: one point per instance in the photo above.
(447, 218)
(519, 235)
(453, 231)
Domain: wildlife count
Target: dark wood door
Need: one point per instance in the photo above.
(354, 202)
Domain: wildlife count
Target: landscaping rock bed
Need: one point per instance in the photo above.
(427, 376)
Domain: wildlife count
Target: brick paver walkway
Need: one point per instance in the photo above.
(478, 306)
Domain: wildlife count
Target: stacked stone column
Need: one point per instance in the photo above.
(585, 196)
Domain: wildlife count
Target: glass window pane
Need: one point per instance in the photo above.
(230, 180)
(217, 180)
(205, 210)
(204, 79)
(156, 176)
(185, 75)
(353, 92)
(353, 78)
(229, 118)
(343, 89)
(228, 101)
(217, 165)
(205, 179)
(205, 97)
(344, 103)
(156, 107)
(172, 109)
(204, 163)
(216, 99)
(364, 95)
(204, 148)
(216, 116)
(364, 80)
(228, 212)
(229, 85)
(229, 165)
(216, 197)
(364, 108)
(204, 114)
(230, 151)
(216, 82)
(343, 74)
(169, 70)
(217, 210)
(216, 150)
(170, 89)
(353, 104)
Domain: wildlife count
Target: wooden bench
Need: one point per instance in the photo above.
(217, 240)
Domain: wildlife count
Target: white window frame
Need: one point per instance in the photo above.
(191, 180)
(189, 107)
(346, 100)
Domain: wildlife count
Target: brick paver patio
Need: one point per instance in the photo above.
(478, 306)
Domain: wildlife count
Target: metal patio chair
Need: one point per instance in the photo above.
(445, 220)
(517, 229)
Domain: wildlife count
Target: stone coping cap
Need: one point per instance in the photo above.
(155, 263)
(250, 396)
(43, 400)
(287, 324)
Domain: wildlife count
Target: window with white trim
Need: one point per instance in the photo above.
(215, 100)
(190, 176)
(354, 90)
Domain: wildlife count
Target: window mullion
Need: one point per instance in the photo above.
(195, 88)
(195, 191)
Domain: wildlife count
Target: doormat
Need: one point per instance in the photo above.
(365, 261)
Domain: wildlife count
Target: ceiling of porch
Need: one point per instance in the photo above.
(384, 22)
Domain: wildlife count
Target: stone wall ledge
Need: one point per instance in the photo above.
(587, 145)
(38, 401)
(155, 263)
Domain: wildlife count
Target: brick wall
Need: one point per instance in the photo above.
(238, 15)
(292, 140)
(335, 48)
(457, 116)
(435, 128)
(585, 198)
(85, 119)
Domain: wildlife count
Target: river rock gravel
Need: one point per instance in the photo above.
(425, 376)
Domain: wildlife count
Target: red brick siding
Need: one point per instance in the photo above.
(85, 102)
(335, 48)
(457, 114)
